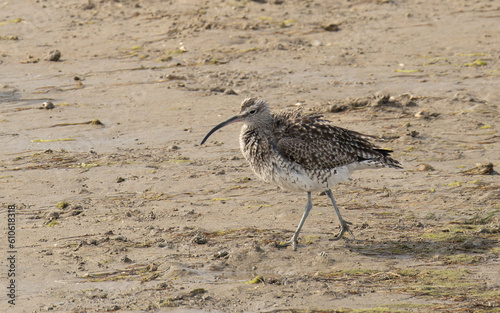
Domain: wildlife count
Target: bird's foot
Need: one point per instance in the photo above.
(344, 227)
(283, 244)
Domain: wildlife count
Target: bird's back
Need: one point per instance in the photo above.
(315, 143)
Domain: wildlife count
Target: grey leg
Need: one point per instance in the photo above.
(343, 224)
(295, 237)
(307, 209)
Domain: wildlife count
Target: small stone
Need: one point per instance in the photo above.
(481, 169)
(52, 216)
(331, 27)
(381, 100)
(126, 259)
(423, 114)
(75, 210)
(62, 204)
(412, 133)
(173, 148)
(423, 167)
(53, 56)
(221, 255)
(113, 308)
(199, 239)
(218, 89)
(47, 105)
(96, 122)
(174, 77)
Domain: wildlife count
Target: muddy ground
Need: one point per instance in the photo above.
(119, 208)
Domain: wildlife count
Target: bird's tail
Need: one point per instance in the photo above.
(385, 159)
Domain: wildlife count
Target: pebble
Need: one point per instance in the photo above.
(126, 259)
(221, 255)
(53, 56)
(424, 113)
(173, 148)
(199, 239)
(52, 216)
(331, 27)
(47, 105)
(423, 167)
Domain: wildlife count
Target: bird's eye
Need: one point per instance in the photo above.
(252, 111)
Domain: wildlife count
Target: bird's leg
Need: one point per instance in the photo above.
(295, 236)
(343, 224)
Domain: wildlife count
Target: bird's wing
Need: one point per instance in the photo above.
(317, 144)
(314, 155)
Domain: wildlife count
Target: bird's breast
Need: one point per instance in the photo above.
(258, 152)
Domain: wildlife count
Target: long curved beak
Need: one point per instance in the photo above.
(233, 119)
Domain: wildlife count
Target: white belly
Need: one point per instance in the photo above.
(295, 178)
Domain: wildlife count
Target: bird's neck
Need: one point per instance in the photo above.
(263, 125)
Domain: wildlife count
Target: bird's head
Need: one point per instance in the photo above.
(254, 113)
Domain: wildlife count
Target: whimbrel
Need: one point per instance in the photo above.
(302, 152)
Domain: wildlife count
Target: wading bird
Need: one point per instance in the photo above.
(302, 152)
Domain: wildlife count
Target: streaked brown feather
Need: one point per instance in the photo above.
(317, 144)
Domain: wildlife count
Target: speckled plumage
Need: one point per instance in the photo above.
(302, 152)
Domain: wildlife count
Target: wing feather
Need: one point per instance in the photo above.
(316, 144)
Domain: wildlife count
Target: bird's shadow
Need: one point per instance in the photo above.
(424, 247)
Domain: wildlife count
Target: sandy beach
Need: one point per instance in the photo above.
(109, 203)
